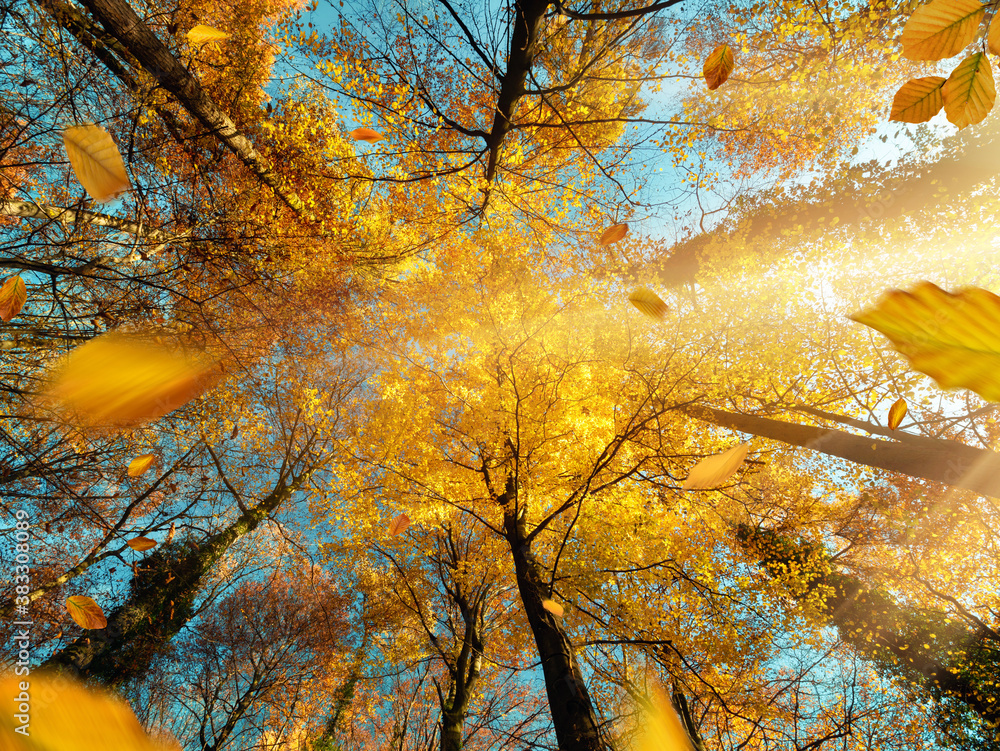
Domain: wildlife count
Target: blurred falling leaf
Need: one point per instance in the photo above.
(63, 715)
(366, 134)
(969, 92)
(202, 34)
(613, 234)
(140, 464)
(96, 161)
(13, 296)
(171, 533)
(662, 729)
(399, 525)
(649, 302)
(120, 381)
(953, 338)
(715, 470)
(941, 29)
(553, 607)
(896, 413)
(141, 543)
(86, 612)
(918, 100)
(718, 66)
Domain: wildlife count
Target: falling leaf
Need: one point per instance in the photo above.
(969, 92)
(96, 161)
(715, 470)
(941, 29)
(86, 612)
(896, 413)
(80, 718)
(202, 34)
(119, 380)
(399, 525)
(953, 338)
(171, 533)
(918, 100)
(662, 729)
(718, 66)
(553, 607)
(649, 303)
(140, 464)
(141, 543)
(366, 134)
(613, 234)
(13, 296)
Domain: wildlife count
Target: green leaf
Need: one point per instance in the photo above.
(941, 29)
(953, 338)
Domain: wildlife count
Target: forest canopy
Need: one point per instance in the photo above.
(441, 375)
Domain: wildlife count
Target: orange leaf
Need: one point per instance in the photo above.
(718, 66)
(140, 464)
(613, 234)
(86, 612)
(366, 134)
(896, 413)
(715, 470)
(649, 303)
(553, 607)
(399, 525)
(96, 161)
(662, 729)
(13, 296)
(120, 381)
(141, 543)
(78, 718)
(918, 100)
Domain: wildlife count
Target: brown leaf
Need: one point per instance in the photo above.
(366, 134)
(13, 296)
(718, 66)
(171, 533)
(613, 234)
(399, 525)
(86, 612)
(96, 161)
(141, 543)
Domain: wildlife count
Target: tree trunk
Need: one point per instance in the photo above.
(940, 460)
(573, 713)
(160, 603)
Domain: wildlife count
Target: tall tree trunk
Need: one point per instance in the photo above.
(161, 601)
(940, 460)
(962, 664)
(572, 711)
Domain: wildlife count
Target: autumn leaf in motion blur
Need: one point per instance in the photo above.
(662, 729)
(122, 381)
(63, 715)
(366, 134)
(953, 338)
(96, 161)
(649, 303)
(715, 470)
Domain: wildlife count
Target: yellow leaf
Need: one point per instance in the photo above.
(969, 92)
(399, 525)
(96, 161)
(613, 234)
(715, 470)
(13, 296)
(718, 66)
(918, 100)
(141, 543)
(649, 303)
(202, 34)
(140, 464)
(941, 28)
(896, 413)
(662, 729)
(993, 35)
(86, 612)
(120, 381)
(553, 607)
(366, 134)
(78, 718)
(953, 338)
